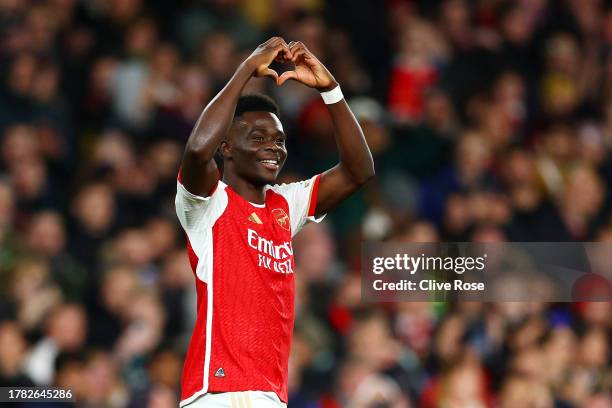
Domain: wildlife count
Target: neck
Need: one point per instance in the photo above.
(244, 188)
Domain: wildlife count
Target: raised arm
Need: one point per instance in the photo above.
(199, 171)
(355, 166)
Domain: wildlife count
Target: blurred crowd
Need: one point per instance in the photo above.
(489, 121)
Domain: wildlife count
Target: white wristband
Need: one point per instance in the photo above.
(333, 96)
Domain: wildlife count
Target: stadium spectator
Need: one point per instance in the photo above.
(489, 121)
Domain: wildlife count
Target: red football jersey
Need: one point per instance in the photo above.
(242, 258)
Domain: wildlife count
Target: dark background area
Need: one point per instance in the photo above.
(489, 121)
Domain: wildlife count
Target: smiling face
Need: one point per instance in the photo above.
(255, 148)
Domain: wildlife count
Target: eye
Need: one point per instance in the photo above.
(280, 142)
(258, 138)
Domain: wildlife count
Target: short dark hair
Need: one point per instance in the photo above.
(256, 103)
(251, 103)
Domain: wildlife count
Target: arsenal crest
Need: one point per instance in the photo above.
(281, 217)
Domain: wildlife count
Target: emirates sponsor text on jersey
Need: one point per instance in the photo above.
(274, 257)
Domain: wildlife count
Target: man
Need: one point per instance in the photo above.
(239, 229)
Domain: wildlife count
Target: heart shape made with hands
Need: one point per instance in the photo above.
(307, 69)
(283, 62)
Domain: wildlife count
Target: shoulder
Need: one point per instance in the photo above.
(298, 188)
(217, 191)
(196, 212)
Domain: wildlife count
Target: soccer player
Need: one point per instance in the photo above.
(239, 229)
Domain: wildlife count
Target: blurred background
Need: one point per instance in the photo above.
(489, 121)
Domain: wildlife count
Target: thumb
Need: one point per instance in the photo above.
(286, 76)
(271, 73)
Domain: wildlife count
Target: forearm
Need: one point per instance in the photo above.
(214, 122)
(356, 166)
(355, 156)
(199, 170)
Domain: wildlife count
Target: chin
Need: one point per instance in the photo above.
(271, 180)
(261, 180)
(267, 177)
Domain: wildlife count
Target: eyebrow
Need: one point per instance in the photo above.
(265, 130)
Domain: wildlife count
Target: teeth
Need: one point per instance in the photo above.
(269, 161)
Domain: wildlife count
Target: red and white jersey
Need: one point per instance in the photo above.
(242, 258)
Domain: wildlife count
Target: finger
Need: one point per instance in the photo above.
(271, 73)
(307, 57)
(273, 43)
(271, 40)
(298, 48)
(286, 50)
(297, 53)
(297, 45)
(282, 52)
(285, 76)
(283, 57)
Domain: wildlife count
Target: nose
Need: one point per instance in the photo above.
(272, 147)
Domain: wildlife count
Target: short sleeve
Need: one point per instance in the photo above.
(195, 212)
(302, 200)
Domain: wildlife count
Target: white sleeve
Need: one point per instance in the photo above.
(302, 200)
(196, 212)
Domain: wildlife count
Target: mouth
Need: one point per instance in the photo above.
(270, 164)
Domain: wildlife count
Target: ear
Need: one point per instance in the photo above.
(225, 149)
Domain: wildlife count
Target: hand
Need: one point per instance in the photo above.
(275, 49)
(308, 69)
